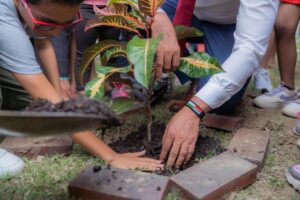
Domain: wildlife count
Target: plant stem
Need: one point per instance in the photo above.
(149, 113)
(148, 106)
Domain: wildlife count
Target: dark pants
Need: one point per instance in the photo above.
(219, 41)
(12, 95)
(84, 39)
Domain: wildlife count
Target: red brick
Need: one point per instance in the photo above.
(227, 123)
(33, 146)
(251, 145)
(213, 178)
(113, 184)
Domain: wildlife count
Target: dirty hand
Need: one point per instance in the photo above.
(180, 138)
(68, 91)
(136, 161)
(168, 50)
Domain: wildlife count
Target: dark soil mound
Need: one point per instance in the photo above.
(137, 141)
(80, 104)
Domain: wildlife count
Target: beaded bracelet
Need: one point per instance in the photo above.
(195, 108)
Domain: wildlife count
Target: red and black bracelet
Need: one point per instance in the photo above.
(195, 108)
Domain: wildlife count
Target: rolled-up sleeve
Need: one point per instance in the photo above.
(255, 23)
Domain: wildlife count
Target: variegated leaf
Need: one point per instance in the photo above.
(141, 54)
(110, 70)
(137, 14)
(122, 104)
(113, 21)
(120, 10)
(91, 52)
(133, 3)
(199, 65)
(149, 7)
(95, 88)
(183, 32)
(112, 53)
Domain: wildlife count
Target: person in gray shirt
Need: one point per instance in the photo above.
(21, 77)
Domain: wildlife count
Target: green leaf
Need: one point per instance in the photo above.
(183, 32)
(91, 52)
(149, 7)
(199, 65)
(113, 21)
(141, 54)
(110, 70)
(95, 88)
(121, 10)
(112, 53)
(133, 3)
(122, 104)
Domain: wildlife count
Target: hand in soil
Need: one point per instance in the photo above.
(136, 161)
(180, 138)
(68, 91)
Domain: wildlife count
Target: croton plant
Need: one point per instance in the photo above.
(136, 16)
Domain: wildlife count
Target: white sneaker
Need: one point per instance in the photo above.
(276, 97)
(10, 165)
(292, 109)
(262, 79)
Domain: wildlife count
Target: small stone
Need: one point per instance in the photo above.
(158, 188)
(97, 168)
(119, 188)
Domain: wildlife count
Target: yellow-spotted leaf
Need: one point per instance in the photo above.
(91, 52)
(198, 65)
(183, 32)
(113, 21)
(132, 3)
(149, 7)
(107, 71)
(95, 88)
(141, 54)
(112, 53)
(122, 104)
(121, 10)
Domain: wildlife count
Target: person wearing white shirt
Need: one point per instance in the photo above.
(236, 32)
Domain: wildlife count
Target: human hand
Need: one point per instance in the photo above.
(136, 161)
(168, 50)
(180, 138)
(67, 90)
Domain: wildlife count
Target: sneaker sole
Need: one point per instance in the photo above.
(291, 180)
(289, 115)
(266, 105)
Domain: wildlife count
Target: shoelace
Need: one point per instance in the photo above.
(277, 90)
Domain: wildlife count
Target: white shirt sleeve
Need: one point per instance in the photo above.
(255, 23)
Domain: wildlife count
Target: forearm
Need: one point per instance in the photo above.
(47, 57)
(38, 86)
(94, 145)
(162, 25)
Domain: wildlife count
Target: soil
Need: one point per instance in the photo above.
(80, 104)
(137, 141)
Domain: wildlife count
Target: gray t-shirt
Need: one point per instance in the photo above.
(16, 51)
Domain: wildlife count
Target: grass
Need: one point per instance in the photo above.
(47, 178)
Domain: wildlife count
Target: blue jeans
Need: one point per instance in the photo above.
(219, 41)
